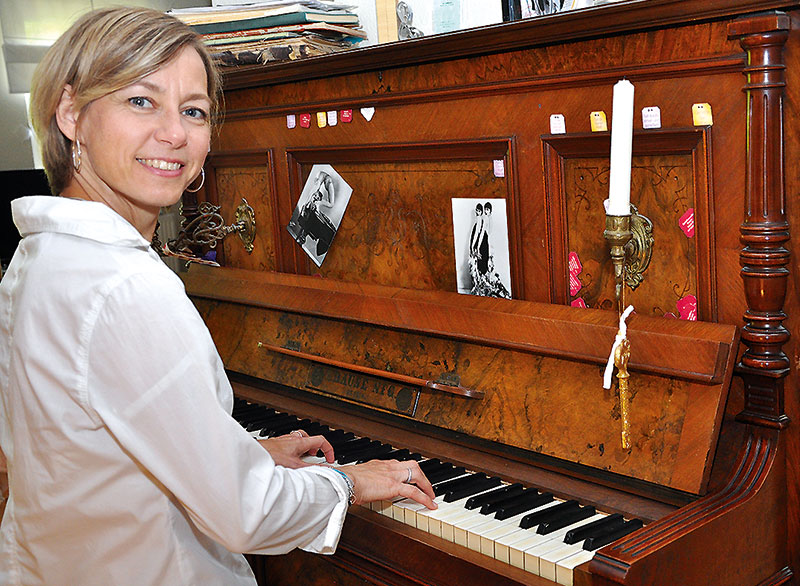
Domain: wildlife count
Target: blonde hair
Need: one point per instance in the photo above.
(102, 52)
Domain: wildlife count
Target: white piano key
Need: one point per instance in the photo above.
(566, 567)
(548, 560)
(503, 545)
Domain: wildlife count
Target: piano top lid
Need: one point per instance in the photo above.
(694, 351)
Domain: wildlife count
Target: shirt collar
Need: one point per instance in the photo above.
(85, 219)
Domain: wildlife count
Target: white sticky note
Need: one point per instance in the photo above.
(557, 124)
(291, 121)
(368, 113)
(651, 117)
(332, 118)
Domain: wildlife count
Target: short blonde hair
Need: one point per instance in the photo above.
(102, 52)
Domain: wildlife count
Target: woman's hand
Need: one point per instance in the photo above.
(288, 450)
(379, 480)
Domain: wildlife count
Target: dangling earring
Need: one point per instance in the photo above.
(202, 181)
(76, 155)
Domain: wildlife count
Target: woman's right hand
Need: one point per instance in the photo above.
(379, 480)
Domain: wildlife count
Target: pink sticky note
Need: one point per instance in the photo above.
(575, 266)
(499, 168)
(305, 120)
(686, 222)
(346, 115)
(687, 308)
(579, 302)
(575, 284)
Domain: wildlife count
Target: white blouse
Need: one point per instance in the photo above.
(125, 466)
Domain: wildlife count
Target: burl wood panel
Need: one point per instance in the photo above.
(398, 229)
(543, 404)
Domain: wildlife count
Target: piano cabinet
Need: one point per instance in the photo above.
(715, 472)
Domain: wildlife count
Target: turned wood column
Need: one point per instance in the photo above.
(765, 231)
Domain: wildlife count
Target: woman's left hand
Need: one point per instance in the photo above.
(288, 450)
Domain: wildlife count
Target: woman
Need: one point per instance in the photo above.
(124, 464)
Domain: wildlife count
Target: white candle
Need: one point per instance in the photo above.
(619, 180)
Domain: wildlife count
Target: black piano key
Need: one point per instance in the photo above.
(495, 506)
(288, 426)
(401, 455)
(531, 501)
(547, 514)
(445, 474)
(593, 543)
(340, 439)
(565, 519)
(471, 489)
(431, 464)
(479, 500)
(353, 444)
(594, 528)
(267, 422)
(365, 453)
(375, 453)
(450, 485)
(279, 426)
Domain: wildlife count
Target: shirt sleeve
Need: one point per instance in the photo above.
(154, 379)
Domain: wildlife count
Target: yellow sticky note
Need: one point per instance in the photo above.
(598, 121)
(701, 114)
(322, 119)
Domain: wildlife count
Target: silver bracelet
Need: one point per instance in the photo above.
(351, 490)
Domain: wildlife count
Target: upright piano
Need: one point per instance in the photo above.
(377, 342)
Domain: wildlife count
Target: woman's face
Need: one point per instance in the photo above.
(144, 144)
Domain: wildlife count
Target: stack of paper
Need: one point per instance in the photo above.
(273, 30)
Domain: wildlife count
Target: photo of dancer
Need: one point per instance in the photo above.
(319, 211)
(480, 238)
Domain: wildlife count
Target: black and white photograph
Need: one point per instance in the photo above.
(319, 211)
(480, 236)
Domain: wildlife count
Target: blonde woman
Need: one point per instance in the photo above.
(124, 464)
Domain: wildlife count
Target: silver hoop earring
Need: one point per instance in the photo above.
(202, 181)
(76, 155)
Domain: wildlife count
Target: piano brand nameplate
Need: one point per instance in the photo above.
(366, 390)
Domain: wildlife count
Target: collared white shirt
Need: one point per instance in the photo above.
(125, 466)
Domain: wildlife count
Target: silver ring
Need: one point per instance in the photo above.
(408, 480)
(297, 432)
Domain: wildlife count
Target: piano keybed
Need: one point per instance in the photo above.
(521, 526)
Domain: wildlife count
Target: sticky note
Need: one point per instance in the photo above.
(557, 124)
(499, 168)
(332, 118)
(322, 119)
(305, 120)
(291, 121)
(368, 113)
(651, 117)
(701, 114)
(598, 121)
(346, 115)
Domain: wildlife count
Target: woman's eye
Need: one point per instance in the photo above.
(195, 113)
(139, 102)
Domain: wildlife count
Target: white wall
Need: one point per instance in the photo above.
(23, 25)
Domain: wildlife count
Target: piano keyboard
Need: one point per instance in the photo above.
(521, 526)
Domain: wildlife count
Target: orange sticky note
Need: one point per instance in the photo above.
(701, 114)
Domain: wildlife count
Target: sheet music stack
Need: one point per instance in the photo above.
(273, 30)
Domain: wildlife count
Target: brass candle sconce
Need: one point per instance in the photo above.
(209, 227)
(630, 239)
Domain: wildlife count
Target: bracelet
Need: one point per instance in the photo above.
(351, 490)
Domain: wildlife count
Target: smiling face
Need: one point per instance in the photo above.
(142, 145)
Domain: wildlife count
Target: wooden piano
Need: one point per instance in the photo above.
(376, 341)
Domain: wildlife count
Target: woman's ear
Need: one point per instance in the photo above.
(67, 114)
